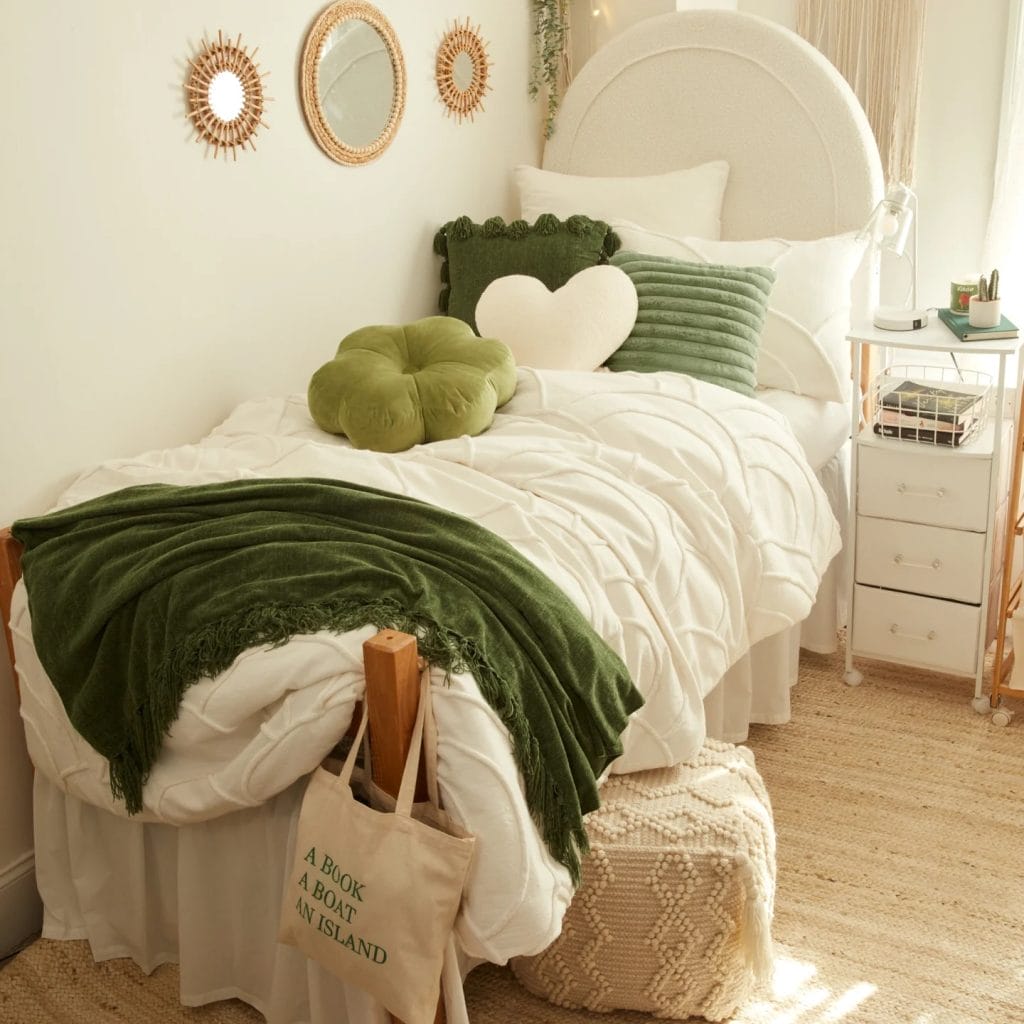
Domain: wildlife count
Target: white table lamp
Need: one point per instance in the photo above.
(892, 225)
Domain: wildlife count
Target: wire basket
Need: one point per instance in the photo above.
(937, 405)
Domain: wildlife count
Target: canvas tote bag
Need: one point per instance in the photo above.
(373, 896)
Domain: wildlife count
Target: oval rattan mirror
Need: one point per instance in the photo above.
(461, 70)
(353, 82)
(225, 97)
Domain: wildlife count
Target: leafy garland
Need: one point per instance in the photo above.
(550, 35)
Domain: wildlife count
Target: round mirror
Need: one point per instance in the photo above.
(353, 82)
(461, 70)
(225, 97)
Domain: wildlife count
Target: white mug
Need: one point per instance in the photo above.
(983, 313)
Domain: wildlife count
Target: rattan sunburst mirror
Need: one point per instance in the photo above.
(225, 96)
(462, 70)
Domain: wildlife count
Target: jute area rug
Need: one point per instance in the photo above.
(900, 819)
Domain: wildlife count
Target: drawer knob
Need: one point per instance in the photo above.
(919, 492)
(896, 631)
(935, 563)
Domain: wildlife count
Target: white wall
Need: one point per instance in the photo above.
(782, 11)
(956, 146)
(594, 22)
(146, 289)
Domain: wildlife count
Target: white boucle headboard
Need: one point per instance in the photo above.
(681, 89)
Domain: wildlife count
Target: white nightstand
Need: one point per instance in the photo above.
(924, 531)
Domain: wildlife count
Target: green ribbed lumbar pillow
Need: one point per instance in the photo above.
(695, 318)
(550, 250)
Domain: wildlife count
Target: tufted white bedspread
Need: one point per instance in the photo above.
(681, 518)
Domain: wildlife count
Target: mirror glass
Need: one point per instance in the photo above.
(226, 95)
(353, 81)
(462, 71)
(356, 83)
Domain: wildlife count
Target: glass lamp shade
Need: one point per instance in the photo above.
(890, 223)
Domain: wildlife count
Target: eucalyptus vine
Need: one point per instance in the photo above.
(550, 37)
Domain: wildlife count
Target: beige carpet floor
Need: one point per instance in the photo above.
(900, 818)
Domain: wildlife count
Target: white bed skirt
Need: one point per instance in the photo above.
(756, 688)
(207, 896)
(204, 896)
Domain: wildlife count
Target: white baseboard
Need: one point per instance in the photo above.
(21, 912)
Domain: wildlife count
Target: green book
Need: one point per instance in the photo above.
(959, 324)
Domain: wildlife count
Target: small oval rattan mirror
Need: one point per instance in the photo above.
(462, 70)
(225, 97)
(353, 82)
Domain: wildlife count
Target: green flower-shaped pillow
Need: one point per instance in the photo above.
(391, 387)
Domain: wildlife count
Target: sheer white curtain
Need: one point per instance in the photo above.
(1004, 238)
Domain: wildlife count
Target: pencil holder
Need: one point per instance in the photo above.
(983, 313)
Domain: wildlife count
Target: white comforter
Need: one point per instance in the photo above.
(681, 518)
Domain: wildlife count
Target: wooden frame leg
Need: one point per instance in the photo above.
(10, 573)
(392, 670)
(392, 667)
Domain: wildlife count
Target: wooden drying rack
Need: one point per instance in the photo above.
(392, 669)
(1012, 585)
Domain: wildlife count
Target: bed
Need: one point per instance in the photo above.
(755, 481)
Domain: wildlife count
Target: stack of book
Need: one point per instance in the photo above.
(923, 412)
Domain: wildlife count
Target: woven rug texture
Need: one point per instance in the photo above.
(900, 825)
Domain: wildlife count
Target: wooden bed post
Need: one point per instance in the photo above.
(393, 688)
(10, 573)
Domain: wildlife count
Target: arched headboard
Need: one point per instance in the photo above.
(681, 89)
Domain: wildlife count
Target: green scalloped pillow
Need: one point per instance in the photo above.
(550, 250)
(391, 387)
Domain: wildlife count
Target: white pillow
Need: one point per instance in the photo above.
(576, 327)
(687, 202)
(804, 346)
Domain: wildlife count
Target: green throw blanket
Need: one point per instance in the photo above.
(136, 595)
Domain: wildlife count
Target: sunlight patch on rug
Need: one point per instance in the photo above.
(796, 994)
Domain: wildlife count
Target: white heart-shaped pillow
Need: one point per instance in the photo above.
(576, 327)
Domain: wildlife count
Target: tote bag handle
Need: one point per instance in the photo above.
(430, 740)
(403, 803)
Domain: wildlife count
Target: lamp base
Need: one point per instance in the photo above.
(896, 318)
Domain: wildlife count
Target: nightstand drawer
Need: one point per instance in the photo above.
(920, 559)
(921, 487)
(917, 630)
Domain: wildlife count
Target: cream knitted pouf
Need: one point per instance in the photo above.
(673, 917)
